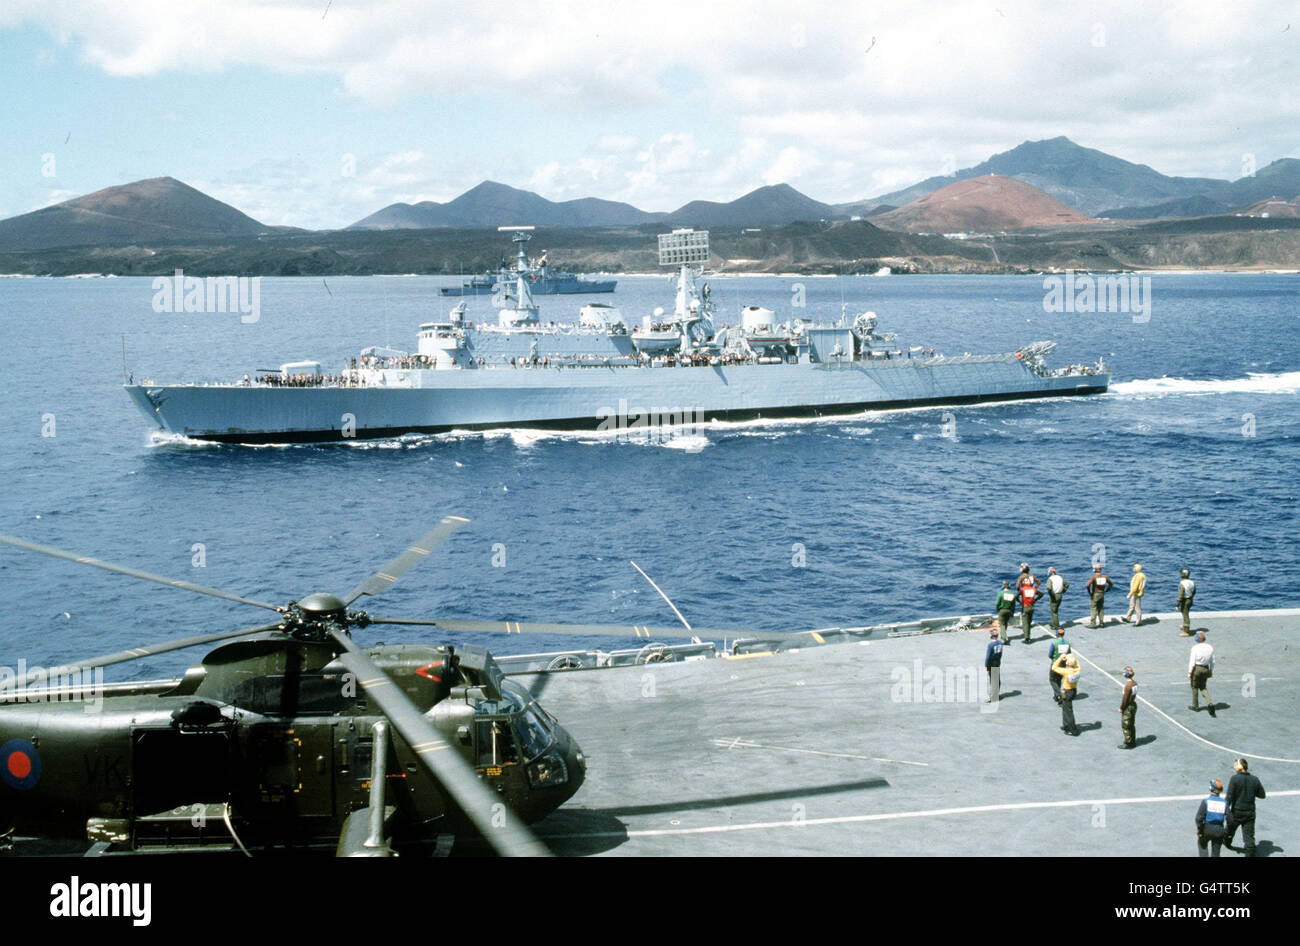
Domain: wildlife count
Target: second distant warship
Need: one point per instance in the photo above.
(541, 279)
(671, 368)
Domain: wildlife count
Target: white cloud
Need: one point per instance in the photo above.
(842, 100)
(57, 196)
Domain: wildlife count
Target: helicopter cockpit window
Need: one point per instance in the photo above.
(307, 694)
(534, 732)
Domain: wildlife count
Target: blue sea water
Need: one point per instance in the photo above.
(1190, 461)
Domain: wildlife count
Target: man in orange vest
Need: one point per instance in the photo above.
(1097, 587)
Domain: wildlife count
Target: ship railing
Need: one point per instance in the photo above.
(557, 661)
(553, 328)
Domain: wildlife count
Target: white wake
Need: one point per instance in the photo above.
(1284, 382)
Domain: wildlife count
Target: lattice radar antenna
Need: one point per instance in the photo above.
(683, 248)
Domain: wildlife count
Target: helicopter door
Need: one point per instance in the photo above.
(289, 784)
(496, 744)
(171, 768)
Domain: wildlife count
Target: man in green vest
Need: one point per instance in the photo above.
(1097, 587)
(1004, 604)
(1128, 708)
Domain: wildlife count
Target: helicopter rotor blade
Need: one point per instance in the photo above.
(133, 572)
(381, 580)
(136, 653)
(440, 757)
(583, 630)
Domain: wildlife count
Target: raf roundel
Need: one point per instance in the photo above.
(20, 764)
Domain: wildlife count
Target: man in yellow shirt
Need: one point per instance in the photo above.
(1068, 669)
(1136, 588)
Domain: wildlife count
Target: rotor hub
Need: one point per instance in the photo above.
(322, 605)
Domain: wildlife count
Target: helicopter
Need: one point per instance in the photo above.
(290, 736)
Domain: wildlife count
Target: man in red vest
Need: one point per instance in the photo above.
(1027, 591)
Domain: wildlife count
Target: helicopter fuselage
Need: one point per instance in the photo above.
(270, 742)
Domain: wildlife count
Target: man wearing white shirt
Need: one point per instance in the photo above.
(1186, 592)
(1056, 586)
(1200, 667)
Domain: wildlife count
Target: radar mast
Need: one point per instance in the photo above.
(684, 247)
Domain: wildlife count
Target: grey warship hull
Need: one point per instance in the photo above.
(599, 397)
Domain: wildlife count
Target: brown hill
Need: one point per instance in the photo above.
(982, 204)
(1273, 207)
(159, 208)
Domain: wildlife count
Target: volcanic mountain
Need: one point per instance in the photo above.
(1085, 178)
(981, 204)
(490, 204)
(774, 205)
(1281, 179)
(152, 210)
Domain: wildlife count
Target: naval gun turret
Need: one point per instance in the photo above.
(864, 327)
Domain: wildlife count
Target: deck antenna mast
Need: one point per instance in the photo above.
(524, 309)
(521, 237)
(685, 623)
(684, 247)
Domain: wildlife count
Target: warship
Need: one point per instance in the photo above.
(670, 369)
(541, 280)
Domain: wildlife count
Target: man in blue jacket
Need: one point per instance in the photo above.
(993, 666)
(1211, 820)
(1059, 646)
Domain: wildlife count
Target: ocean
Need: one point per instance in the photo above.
(1189, 461)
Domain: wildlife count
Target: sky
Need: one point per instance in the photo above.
(316, 113)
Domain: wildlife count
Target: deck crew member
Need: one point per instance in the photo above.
(1136, 588)
(1059, 646)
(1056, 588)
(1210, 821)
(1243, 789)
(1200, 667)
(1067, 667)
(1004, 604)
(1186, 592)
(993, 666)
(1097, 587)
(1128, 709)
(1027, 591)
